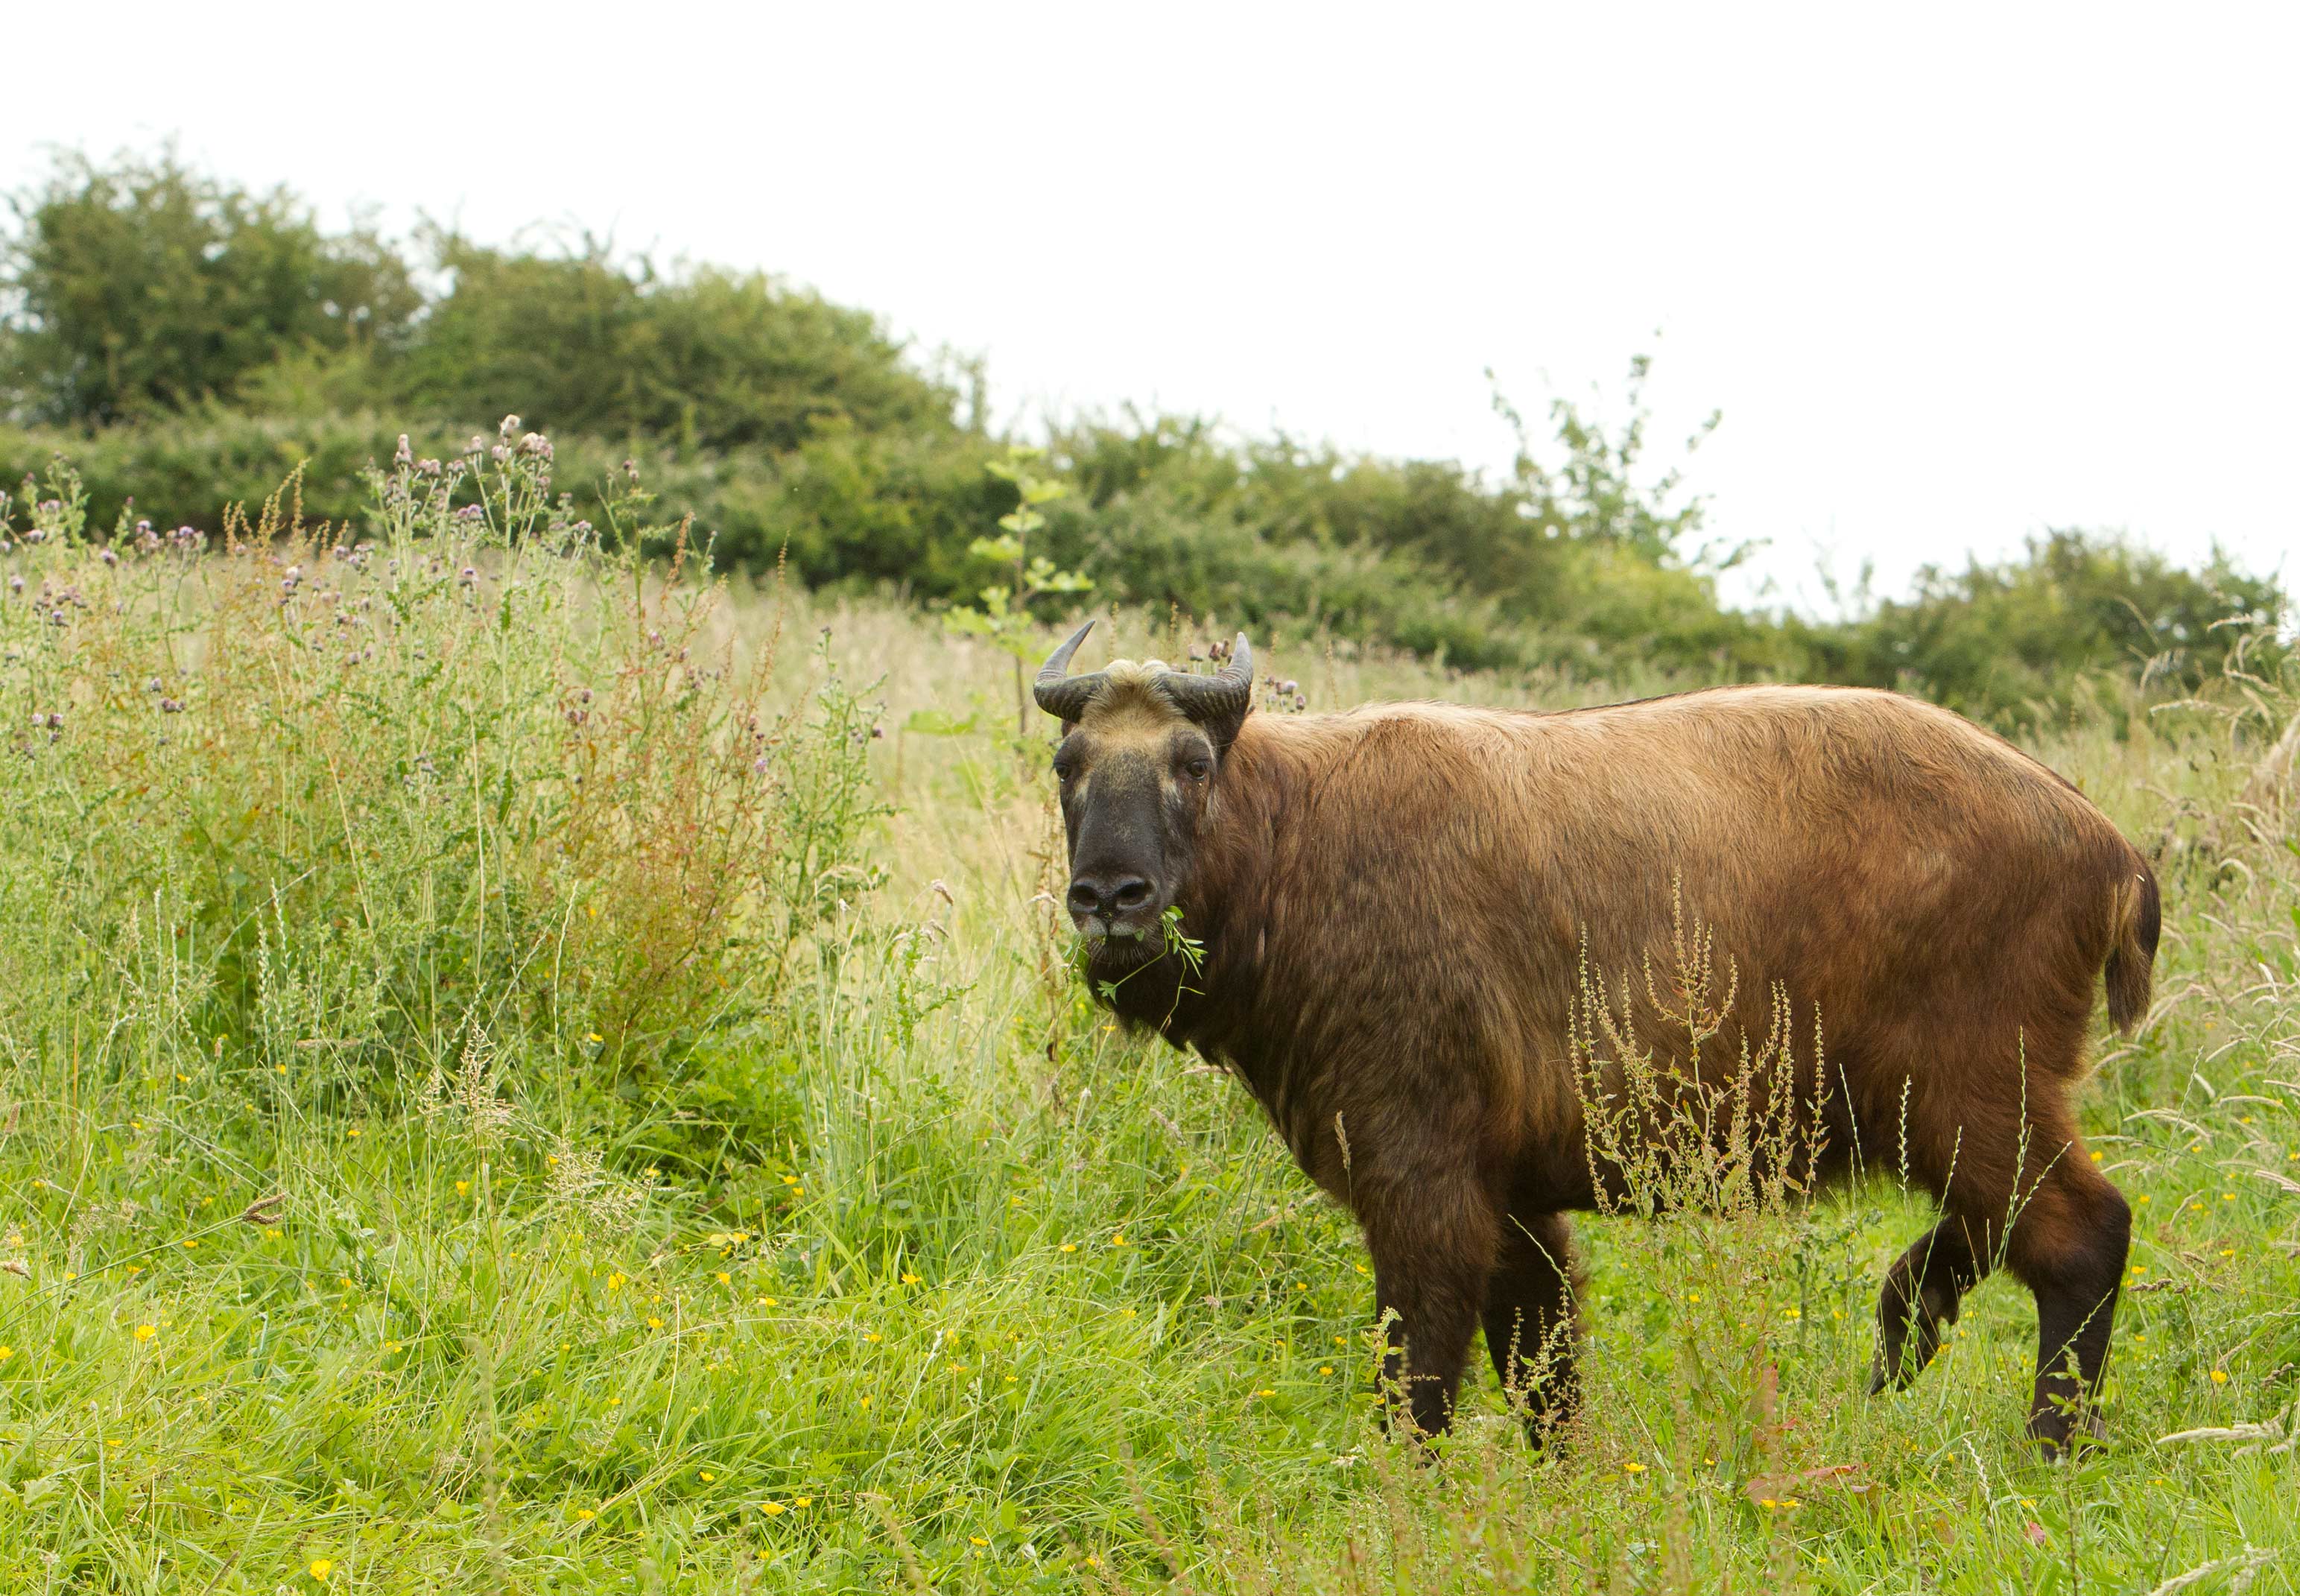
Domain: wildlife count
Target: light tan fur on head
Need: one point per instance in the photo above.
(1129, 707)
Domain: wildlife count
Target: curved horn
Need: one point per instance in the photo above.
(1060, 695)
(1225, 696)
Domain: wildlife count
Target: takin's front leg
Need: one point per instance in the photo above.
(1433, 1232)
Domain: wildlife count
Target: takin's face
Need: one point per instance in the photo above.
(1141, 744)
(1134, 774)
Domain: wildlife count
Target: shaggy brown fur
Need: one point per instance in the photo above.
(1394, 904)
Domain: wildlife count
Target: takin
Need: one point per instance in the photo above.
(1380, 919)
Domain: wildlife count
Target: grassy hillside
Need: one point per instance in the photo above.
(521, 1073)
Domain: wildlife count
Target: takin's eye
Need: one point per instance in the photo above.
(1197, 767)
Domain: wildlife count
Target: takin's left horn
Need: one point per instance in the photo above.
(1221, 697)
(1065, 697)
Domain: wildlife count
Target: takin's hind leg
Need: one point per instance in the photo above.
(2044, 1212)
(2067, 1243)
(1922, 1292)
(1533, 1321)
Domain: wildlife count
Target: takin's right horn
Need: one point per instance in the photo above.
(1063, 695)
(1217, 699)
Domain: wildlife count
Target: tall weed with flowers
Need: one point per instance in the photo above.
(324, 797)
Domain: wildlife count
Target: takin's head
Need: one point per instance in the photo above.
(1141, 744)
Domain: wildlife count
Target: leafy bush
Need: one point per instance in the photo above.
(143, 287)
(705, 358)
(2008, 640)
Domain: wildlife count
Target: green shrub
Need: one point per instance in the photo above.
(2008, 640)
(585, 343)
(143, 287)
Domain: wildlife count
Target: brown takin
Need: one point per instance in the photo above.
(1386, 911)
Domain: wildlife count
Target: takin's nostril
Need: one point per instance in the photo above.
(1084, 899)
(1132, 894)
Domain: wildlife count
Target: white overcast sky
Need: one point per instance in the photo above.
(1953, 274)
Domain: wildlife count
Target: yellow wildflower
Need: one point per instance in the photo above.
(144, 1332)
(772, 1510)
(321, 1568)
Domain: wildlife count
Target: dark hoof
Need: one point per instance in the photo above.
(2056, 1436)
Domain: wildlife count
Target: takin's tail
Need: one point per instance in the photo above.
(2138, 918)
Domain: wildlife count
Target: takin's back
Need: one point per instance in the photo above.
(1942, 899)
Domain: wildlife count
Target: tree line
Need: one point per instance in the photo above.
(187, 341)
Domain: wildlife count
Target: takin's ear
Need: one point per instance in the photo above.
(1222, 729)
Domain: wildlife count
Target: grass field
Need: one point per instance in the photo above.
(518, 1077)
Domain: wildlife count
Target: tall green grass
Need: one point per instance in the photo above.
(523, 1073)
